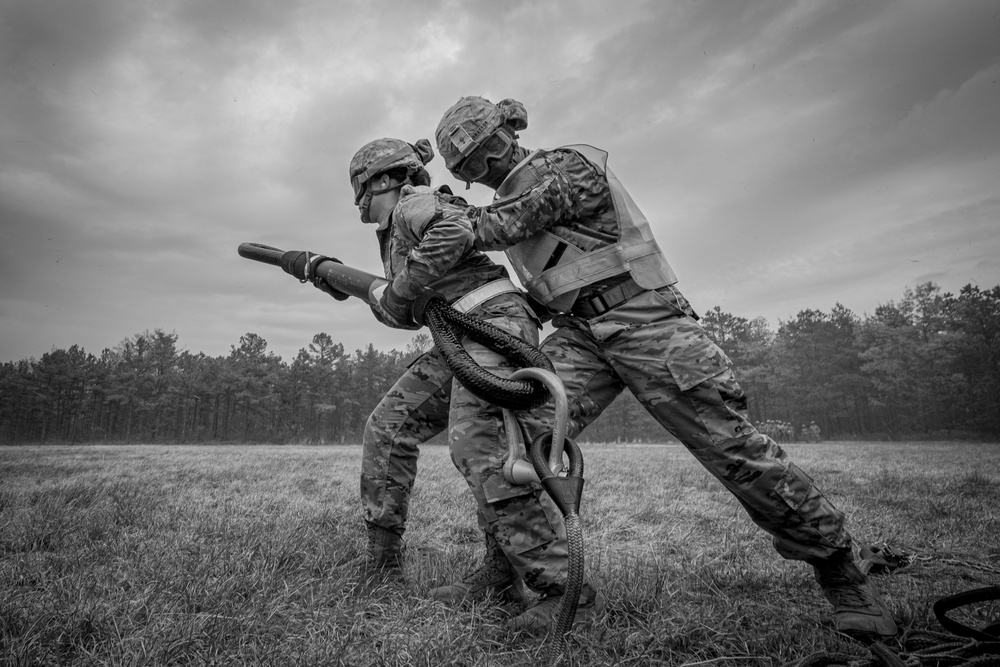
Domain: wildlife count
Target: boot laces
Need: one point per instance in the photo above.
(491, 571)
(848, 593)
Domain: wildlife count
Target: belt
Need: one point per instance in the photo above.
(600, 303)
(484, 293)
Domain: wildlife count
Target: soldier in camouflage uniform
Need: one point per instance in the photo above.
(584, 251)
(426, 244)
(814, 432)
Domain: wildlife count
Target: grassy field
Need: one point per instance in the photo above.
(171, 555)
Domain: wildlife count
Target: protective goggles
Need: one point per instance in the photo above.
(477, 163)
(361, 180)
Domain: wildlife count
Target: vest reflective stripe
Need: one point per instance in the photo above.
(484, 293)
(635, 252)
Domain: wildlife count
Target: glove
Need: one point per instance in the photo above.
(394, 311)
(452, 197)
(420, 305)
(302, 264)
(325, 287)
(541, 311)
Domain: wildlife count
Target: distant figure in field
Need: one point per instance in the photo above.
(814, 434)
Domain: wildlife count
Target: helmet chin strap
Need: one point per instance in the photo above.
(366, 217)
(390, 188)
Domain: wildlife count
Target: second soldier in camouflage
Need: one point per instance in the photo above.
(584, 251)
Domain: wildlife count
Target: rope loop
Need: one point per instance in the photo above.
(448, 326)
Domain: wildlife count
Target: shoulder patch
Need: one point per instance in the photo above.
(417, 208)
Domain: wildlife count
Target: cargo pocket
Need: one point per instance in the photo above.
(691, 356)
(796, 488)
(516, 513)
(810, 527)
(523, 523)
(496, 487)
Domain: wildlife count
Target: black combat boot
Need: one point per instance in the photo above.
(857, 607)
(542, 617)
(493, 577)
(382, 555)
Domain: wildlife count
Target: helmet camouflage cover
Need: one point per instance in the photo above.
(471, 121)
(379, 156)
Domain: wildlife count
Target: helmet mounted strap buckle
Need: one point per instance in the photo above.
(462, 140)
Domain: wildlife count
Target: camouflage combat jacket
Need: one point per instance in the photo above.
(570, 228)
(428, 244)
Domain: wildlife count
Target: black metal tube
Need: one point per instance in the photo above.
(259, 252)
(347, 279)
(350, 280)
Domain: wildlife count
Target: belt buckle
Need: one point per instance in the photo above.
(601, 306)
(593, 306)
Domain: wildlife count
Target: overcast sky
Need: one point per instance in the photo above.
(788, 155)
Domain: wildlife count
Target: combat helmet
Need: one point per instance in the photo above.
(379, 156)
(472, 123)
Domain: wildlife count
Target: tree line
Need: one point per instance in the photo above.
(925, 366)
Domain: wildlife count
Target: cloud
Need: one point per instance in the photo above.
(787, 155)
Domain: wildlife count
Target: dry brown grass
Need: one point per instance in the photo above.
(131, 555)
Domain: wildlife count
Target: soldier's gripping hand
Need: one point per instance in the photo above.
(325, 287)
(302, 264)
(394, 311)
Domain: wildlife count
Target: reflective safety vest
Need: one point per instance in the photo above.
(554, 271)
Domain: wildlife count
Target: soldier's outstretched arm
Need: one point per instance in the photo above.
(537, 196)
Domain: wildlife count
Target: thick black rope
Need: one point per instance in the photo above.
(944, 605)
(945, 650)
(447, 326)
(565, 492)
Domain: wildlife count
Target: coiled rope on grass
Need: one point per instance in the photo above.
(968, 647)
(923, 648)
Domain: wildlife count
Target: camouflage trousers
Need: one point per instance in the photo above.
(653, 346)
(526, 523)
(412, 412)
